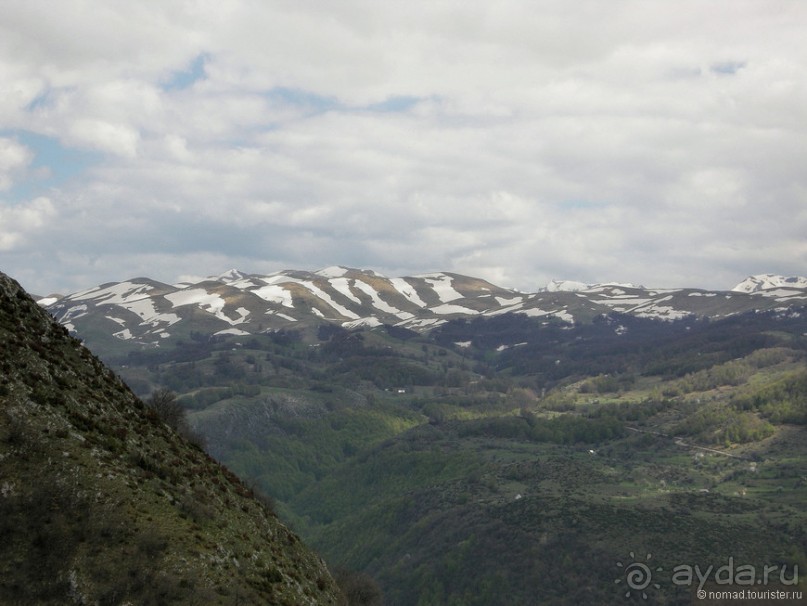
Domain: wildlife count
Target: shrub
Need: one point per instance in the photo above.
(165, 405)
(358, 588)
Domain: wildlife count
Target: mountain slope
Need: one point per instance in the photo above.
(102, 503)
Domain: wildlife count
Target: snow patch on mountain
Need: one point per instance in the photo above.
(73, 313)
(442, 285)
(209, 302)
(540, 313)
(334, 271)
(274, 293)
(196, 296)
(342, 286)
(507, 302)
(662, 312)
(566, 286)
(148, 312)
(782, 294)
(114, 294)
(233, 331)
(624, 304)
(422, 323)
(448, 308)
(229, 276)
(124, 334)
(378, 302)
(504, 310)
(326, 298)
(281, 315)
(370, 322)
(407, 290)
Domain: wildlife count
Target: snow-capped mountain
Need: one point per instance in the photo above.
(764, 283)
(146, 312)
(566, 286)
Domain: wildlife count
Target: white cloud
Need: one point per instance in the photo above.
(118, 139)
(14, 158)
(633, 140)
(21, 222)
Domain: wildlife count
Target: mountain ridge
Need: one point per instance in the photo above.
(146, 312)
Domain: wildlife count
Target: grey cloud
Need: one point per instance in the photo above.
(517, 140)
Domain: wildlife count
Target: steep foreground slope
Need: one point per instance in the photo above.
(102, 503)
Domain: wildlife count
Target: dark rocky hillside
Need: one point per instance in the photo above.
(102, 503)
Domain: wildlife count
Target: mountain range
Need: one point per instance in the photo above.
(145, 312)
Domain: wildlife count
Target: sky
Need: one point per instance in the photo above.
(656, 142)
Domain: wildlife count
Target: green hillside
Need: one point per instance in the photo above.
(516, 460)
(102, 503)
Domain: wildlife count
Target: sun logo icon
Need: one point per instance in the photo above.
(637, 576)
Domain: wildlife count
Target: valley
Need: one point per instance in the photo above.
(499, 457)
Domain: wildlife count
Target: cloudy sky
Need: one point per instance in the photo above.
(647, 141)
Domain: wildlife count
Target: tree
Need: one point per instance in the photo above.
(164, 402)
(358, 588)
